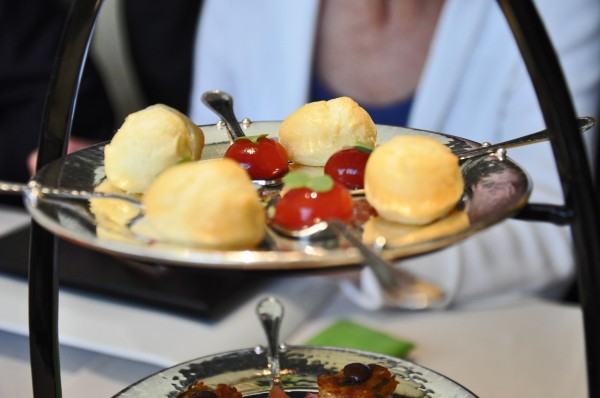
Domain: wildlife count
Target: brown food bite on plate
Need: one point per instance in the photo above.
(413, 180)
(201, 390)
(315, 131)
(357, 380)
(150, 141)
(211, 204)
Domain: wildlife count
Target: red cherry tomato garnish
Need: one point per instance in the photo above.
(303, 207)
(347, 167)
(262, 157)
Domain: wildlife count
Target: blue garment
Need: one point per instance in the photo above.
(394, 115)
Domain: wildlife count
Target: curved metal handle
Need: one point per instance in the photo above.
(37, 191)
(221, 103)
(270, 314)
(401, 289)
(13, 188)
(555, 214)
(584, 123)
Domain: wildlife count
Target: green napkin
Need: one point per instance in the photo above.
(348, 334)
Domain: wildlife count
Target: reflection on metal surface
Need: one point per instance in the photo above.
(495, 189)
(405, 235)
(247, 370)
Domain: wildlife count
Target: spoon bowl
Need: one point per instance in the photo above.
(401, 289)
(221, 103)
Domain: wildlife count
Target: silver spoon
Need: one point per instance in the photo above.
(221, 103)
(584, 123)
(270, 314)
(35, 191)
(401, 289)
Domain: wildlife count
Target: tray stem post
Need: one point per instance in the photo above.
(574, 169)
(55, 131)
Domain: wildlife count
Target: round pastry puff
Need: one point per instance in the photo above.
(413, 180)
(148, 142)
(316, 130)
(210, 204)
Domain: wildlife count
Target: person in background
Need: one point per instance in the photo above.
(30, 32)
(29, 36)
(429, 64)
(449, 66)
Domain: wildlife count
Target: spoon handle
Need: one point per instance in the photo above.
(584, 123)
(401, 289)
(381, 268)
(221, 103)
(13, 188)
(36, 190)
(270, 313)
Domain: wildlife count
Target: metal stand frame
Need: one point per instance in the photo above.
(580, 210)
(54, 135)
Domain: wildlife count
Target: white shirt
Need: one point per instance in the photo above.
(474, 85)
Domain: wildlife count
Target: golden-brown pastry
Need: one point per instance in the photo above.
(201, 390)
(413, 180)
(318, 129)
(211, 204)
(148, 142)
(357, 380)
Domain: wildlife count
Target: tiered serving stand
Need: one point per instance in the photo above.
(580, 211)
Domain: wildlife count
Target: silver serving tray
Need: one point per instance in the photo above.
(247, 371)
(495, 189)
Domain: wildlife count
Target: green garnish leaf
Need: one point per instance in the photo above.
(184, 160)
(296, 180)
(363, 147)
(253, 138)
(322, 183)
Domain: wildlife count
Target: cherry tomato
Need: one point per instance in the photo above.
(347, 167)
(303, 207)
(262, 157)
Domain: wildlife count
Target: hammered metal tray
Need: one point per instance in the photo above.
(248, 372)
(495, 189)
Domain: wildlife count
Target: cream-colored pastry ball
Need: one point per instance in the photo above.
(413, 180)
(148, 142)
(211, 204)
(318, 129)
